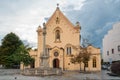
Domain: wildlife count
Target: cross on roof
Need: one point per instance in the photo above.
(57, 4)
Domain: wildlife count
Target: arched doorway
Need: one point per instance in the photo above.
(32, 65)
(56, 63)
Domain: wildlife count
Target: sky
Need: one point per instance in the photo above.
(23, 17)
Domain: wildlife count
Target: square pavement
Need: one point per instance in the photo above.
(68, 75)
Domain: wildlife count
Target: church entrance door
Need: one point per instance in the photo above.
(56, 63)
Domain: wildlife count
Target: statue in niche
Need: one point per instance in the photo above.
(58, 34)
(57, 20)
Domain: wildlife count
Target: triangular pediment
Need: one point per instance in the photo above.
(91, 46)
(58, 18)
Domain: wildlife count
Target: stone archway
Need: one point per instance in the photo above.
(56, 63)
(32, 65)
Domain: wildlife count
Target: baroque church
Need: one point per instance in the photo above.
(62, 41)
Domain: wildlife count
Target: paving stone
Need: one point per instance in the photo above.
(10, 74)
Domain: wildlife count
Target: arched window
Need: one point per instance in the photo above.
(69, 51)
(32, 65)
(57, 35)
(94, 62)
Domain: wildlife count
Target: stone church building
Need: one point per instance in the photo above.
(63, 40)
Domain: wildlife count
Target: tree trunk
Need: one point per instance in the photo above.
(80, 66)
(84, 68)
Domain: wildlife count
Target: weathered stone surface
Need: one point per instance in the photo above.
(68, 75)
(41, 72)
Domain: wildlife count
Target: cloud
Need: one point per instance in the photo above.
(24, 16)
(96, 18)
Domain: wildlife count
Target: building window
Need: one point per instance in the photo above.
(108, 53)
(119, 48)
(112, 51)
(86, 64)
(94, 62)
(57, 35)
(69, 50)
(56, 54)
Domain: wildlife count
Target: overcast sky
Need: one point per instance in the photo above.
(23, 17)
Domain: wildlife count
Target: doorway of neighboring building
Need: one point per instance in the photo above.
(32, 65)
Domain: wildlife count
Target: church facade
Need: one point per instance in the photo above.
(63, 41)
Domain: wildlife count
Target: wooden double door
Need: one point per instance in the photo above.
(56, 63)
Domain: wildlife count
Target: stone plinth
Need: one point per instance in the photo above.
(41, 72)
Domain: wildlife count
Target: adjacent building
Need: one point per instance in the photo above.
(111, 44)
(62, 41)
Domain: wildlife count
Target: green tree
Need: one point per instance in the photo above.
(77, 59)
(24, 57)
(13, 51)
(10, 43)
(85, 57)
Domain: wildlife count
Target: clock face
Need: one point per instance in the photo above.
(56, 54)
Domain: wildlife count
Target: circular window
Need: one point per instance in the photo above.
(56, 54)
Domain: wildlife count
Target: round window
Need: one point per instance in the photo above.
(56, 54)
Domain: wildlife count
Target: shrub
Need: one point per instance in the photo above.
(115, 68)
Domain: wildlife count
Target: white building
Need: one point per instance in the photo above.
(111, 44)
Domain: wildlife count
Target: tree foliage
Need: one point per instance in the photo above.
(77, 59)
(24, 57)
(13, 51)
(10, 43)
(83, 56)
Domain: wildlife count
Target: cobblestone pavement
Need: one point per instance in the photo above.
(68, 75)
